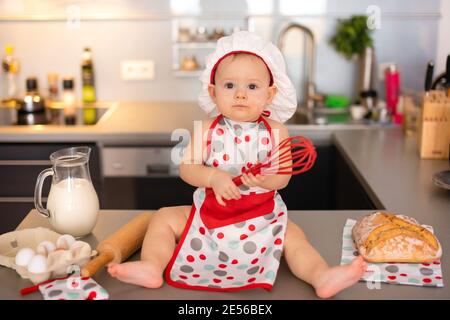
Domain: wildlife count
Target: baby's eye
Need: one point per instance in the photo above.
(252, 86)
(229, 85)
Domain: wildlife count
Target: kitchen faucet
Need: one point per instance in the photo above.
(311, 96)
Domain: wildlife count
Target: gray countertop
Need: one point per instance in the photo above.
(316, 224)
(388, 166)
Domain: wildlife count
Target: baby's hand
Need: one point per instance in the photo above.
(251, 180)
(223, 186)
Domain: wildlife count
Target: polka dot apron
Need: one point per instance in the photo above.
(237, 246)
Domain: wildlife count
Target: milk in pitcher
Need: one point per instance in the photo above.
(75, 206)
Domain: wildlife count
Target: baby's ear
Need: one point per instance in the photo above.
(272, 91)
(212, 92)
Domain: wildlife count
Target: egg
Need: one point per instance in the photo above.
(24, 256)
(45, 247)
(38, 264)
(65, 242)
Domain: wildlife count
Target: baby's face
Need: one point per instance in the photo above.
(241, 91)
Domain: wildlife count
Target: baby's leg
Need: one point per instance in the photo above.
(307, 264)
(165, 227)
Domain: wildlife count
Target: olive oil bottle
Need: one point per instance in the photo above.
(88, 87)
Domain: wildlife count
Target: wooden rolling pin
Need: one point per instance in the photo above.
(120, 245)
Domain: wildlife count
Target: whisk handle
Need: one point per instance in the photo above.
(253, 170)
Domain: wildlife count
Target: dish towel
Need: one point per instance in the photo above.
(415, 274)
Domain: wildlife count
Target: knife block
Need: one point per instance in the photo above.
(434, 126)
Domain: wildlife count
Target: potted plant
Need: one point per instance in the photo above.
(352, 36)
(353, 40)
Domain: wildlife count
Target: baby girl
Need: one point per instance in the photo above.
(232, 238)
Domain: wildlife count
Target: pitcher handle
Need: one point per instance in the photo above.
(38, 192)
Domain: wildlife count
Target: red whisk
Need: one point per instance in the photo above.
(298, 149)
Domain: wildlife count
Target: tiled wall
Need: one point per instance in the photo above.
(118, 30)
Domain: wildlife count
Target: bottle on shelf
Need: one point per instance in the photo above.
(53, 91)
(88, 87)
(10, 70)
(69, 100)
(32, 107)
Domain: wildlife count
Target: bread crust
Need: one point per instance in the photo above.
(386, 237)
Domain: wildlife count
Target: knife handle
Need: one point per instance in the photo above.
(429, 76)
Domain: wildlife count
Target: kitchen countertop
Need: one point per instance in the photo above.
(384, 160)
(287, 287)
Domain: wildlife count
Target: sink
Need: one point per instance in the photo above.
(55, 114)
(320, 116)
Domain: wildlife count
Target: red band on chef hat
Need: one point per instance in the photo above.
(213, 71)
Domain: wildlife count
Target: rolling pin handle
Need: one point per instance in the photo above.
(96, 264)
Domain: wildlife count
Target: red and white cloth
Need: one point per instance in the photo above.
(238, 246)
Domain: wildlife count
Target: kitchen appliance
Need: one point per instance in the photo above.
(72, 204)
(120, 245)
(32, 108)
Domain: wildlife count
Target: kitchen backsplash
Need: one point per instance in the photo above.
(50, 38)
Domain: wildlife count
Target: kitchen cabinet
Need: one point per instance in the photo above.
(20, 165)
(329, 185)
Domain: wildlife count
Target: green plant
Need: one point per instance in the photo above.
(352, 36)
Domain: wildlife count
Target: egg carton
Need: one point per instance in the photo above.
(59, 262)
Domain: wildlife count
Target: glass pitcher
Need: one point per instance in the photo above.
(72, 204)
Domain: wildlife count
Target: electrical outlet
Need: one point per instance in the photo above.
(382, 68)
(137, 70)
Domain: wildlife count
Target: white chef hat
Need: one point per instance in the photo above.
(283, 104)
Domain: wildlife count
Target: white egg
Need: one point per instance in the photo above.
(45, 247)
(65, 242)
(24, 256)
(38, 264)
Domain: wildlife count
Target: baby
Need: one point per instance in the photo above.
(232, 238)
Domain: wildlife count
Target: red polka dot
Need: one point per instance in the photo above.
(219, 131)
(222, 266)
(196, 275)
(438, 277)
(226, 157)
(265, 140)
(403, 275)
(274, 221)
(217, 280)
(183, 277)
(263, 249)
(251, 227)
(202, 257)
(280, 214)
(436, 262)
(237, 140)
(230, 278)
(247, 138)
(254, 261)
(243, 236)
(234, 261)
(262, 270)
(84, 278)
(190, 258)
(426, 264)
(392, 277)
(220, 235)
(251, 279)
(278, 241)
(202, 230)
(215, 163)
(427, 280)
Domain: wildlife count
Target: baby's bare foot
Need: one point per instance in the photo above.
(338, 278)
(142, 273)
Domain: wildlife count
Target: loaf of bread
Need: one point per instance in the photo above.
(386, 237)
